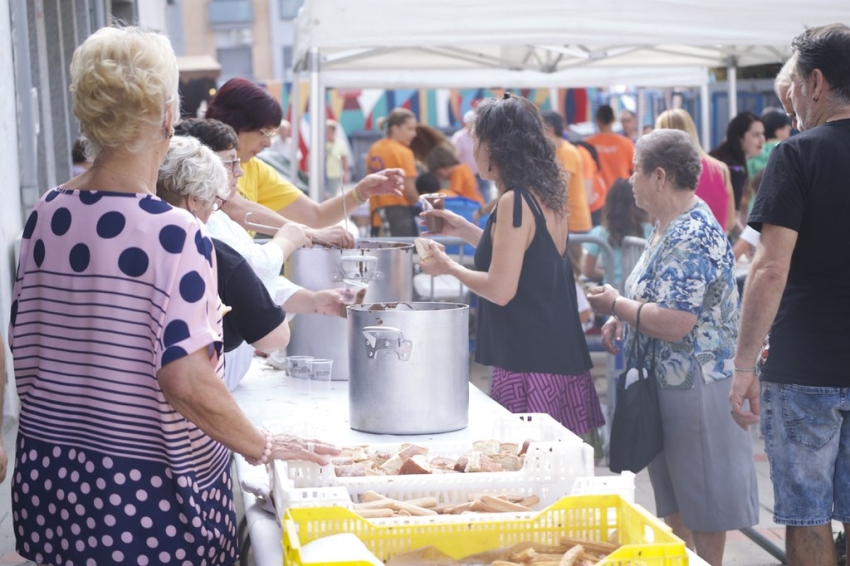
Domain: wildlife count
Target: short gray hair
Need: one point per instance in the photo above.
(673, 151)
(191, 169)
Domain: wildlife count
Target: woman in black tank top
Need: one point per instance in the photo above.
(528, 322)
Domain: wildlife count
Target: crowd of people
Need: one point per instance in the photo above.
(125, 347)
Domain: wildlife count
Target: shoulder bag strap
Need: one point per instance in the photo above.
(640, 351)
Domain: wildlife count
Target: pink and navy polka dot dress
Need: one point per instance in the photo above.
(110, 287)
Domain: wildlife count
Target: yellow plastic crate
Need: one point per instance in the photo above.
(646, 540)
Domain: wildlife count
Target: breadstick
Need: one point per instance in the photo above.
(374, 513)
(504, 563)
(426, 502)
(379, 504)
(490, 504)
(572, 556)
(412, 509)
(600, 547)
(458, 509)
(371, 496)
(529, 501)
(527, 555)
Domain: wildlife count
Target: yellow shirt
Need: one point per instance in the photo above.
(383, 154)
(578, 213)
(262, 184)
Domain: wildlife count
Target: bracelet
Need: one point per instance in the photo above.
(746, 370)
(614, 304)
(267, 451)
(357, 197)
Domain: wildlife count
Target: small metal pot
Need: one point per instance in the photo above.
(409, 365)
(386, 266)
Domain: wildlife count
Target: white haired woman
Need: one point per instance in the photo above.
(704, 480)
(126, 428)
(192, 177)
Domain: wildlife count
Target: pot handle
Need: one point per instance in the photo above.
(387, 339)
(366, 270)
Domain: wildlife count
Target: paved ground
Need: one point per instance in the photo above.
(739, 549)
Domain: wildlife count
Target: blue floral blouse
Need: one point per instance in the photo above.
(690, 268)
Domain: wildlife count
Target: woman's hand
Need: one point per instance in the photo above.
(602, 299)
(292, 236)
(290, 447)
(335, 235)
(612, 334)
(386, 182)
(327, 302)
(434, 261)
(453, 224)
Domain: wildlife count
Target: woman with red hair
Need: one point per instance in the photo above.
(255, 115)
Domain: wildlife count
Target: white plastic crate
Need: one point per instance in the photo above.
(553, 463)
(622, 485)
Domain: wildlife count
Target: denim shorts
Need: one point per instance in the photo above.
(807, 440)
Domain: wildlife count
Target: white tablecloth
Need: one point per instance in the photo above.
(271, 398)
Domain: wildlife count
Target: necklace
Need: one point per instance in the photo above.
(142, 180)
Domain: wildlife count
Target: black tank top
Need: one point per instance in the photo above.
(539, 330)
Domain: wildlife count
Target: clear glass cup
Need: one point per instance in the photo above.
(355, 290)
(322, 370)
(299, 367)
(436, 201)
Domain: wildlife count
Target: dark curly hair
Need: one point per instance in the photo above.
(621, 216)
(513, 131)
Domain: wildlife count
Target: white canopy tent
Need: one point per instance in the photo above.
(454, 43)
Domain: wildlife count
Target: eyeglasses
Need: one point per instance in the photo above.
(233, 164)
(268, 134)
(219, 202)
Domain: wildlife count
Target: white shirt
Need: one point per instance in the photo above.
(266, 259)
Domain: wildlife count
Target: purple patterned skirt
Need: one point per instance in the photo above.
(569, 399)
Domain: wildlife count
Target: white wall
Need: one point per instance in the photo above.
(10, 190)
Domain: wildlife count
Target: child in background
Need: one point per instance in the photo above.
(621, 217)
(443, 162)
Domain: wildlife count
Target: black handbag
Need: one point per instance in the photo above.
(636, 433)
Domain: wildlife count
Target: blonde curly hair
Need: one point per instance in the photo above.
(123, 80)
(191, 169)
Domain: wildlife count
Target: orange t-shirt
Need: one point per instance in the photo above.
(462, 183)
(383, 154)
(578, 214)
(616, 155)
(598, 190)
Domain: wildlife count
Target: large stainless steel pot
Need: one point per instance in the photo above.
(386, 266)
(409, 367)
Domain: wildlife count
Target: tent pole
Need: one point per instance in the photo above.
(705, 121)
(640, 113)
(553, 99)
(317, 128)
(732, 78)
(295, 120)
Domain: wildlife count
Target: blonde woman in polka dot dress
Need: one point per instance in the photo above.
(126, 428)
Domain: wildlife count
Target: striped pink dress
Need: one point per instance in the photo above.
(110, 287)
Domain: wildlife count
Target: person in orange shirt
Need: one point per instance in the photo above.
(394, 151)
(616, 153)
(578, 213)
(594, 184)
(443, 162)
